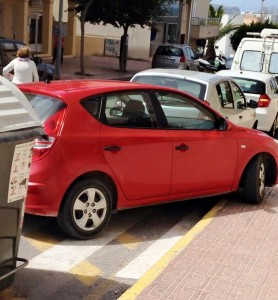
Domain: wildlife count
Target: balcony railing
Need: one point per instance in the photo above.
(205, 21)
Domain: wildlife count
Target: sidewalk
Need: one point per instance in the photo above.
(232, 253)
(100, 67)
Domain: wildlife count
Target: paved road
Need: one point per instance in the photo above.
(104, 267)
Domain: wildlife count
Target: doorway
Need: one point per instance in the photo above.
(35, 33)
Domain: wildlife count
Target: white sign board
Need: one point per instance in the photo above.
(20, 172)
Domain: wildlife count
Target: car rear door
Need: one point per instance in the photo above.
(138, 152)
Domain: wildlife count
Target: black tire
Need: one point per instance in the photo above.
(274, 126)
(83, 215)
(254, 181)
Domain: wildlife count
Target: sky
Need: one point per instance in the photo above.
(247, 6)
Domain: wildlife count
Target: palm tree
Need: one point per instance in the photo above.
(224, 30)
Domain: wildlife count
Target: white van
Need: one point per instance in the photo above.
(258, 53)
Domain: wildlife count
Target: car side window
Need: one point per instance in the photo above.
(181, 112)
(239, 96)
(129, 109)
(225, 94)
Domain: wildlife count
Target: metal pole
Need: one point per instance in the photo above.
(262, 7)
(190, 6)
(59, 44)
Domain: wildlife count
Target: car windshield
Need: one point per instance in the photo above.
(194, 88)
(44, 106)
(251, 86)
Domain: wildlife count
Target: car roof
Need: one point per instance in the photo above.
(202, 77)
(246, 74)
(68, 89)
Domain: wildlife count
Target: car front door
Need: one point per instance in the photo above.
(232, 105)
(138, 152)
(204, 156)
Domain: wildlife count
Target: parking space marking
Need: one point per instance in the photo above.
(70, 254)
(40, 240)
(128, 240)
(86, 272)
(181, 244)
(136, 268)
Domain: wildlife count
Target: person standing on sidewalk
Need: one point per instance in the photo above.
(23, 67)
(55, 49)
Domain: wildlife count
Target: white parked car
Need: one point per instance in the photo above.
(262, 88)
(222, 93)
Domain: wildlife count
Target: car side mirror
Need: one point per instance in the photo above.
(252, 104)
(223, 124)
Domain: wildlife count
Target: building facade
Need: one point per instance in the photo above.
(35, 22)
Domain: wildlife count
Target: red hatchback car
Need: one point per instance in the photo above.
(115, 145)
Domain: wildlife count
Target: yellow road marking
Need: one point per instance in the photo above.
(154, 271)
(86, 272)
(40, 240)
(128, 240)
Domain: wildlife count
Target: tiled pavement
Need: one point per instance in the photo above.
(232, 253)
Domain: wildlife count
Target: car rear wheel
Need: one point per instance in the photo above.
(273, 129)
(86, 210)
(254, 181)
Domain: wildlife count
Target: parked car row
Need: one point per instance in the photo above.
(168, 135)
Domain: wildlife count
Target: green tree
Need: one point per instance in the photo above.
(242, 30)
(224, 30)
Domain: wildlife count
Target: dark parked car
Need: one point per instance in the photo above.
(175, 56)
(8, 49)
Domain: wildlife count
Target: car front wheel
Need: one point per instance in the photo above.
(254, 181)
(86, 210)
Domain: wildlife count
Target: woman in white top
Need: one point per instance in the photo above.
(24, 68)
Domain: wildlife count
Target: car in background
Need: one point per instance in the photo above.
(8, 50)
(175, 56)
(222, 93)
(262, 88)
(164, 145)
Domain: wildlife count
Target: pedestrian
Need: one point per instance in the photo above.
(23, 67)
(56, 39)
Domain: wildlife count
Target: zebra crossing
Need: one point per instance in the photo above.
(103, 267)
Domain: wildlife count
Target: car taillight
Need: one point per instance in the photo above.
(264, 101)
(52, 127)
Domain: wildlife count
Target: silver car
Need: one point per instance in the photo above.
(222, 93)
(175, 56)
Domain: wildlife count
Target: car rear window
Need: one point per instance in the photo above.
(44, 106)
(169, 50)
(194, 88)
(251, 86)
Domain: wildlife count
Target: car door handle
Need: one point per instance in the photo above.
(112, 148)
(182, 147)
